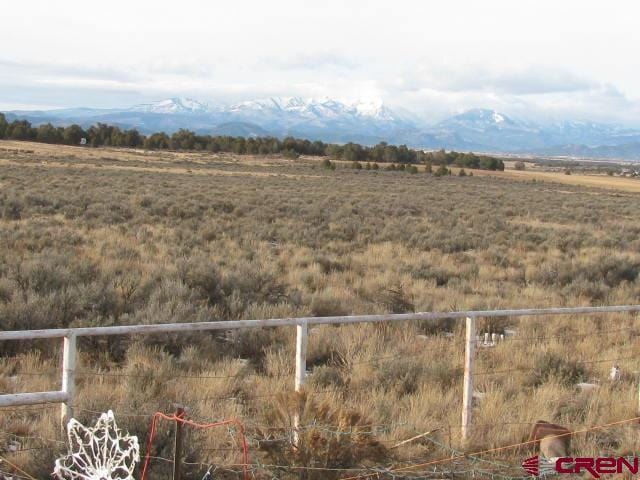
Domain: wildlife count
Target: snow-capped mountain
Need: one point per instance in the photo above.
(482, 129)
(315, 108)
(325, 118)
(481, 120)
(365, 122)
(174, 105)
(486, 129)
(291, 112)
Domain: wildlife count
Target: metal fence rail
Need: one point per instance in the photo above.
(70, 335)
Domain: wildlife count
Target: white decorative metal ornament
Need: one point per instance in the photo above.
(98, 453)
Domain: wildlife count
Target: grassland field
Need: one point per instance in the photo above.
(106, 236)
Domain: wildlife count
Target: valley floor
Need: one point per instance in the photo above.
(108, 236)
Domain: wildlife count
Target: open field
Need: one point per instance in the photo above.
(105, 236)
(586, 180)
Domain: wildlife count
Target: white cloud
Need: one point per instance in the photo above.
(544, 57)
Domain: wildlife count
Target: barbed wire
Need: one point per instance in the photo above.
(513, 338)
(31, 437)
(582, 362)
(24, 408)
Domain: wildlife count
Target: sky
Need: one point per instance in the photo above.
(543, 60)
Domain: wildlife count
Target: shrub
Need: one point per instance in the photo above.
(412, 169)
(320, 445)
(402, 376)
(12, 210)
(327, 306)
(356, 165)
(442, 171)
(551, 367)
(519, 165)
(201, 274)
(462, 173)
(396, 300)
(325, 376)
(290, 154)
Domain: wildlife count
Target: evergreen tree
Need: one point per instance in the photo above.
(3, 125)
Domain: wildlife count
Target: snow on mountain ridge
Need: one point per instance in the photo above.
(317, 107)
(173, 105)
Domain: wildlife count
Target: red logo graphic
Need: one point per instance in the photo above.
(536, 466)
(532, 466)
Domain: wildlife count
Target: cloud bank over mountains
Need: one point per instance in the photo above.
(435, 59)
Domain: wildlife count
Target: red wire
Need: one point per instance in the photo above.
(184, 421)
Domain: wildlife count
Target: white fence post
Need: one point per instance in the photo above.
(68, 377)
(302, 331)
(467, 394)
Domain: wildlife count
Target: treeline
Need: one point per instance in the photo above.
(108, 135)
(385, 153)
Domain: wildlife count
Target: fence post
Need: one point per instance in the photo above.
(68, 377)
(177, 448)
(302, 332)
(467, 393)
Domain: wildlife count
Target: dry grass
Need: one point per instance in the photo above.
(624, 184)
(120, 237)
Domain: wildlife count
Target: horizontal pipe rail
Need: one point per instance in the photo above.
(36, 398)
(280, 322)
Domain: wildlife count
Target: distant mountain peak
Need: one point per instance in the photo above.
(481, 119)
(484, 115)
(175, 105)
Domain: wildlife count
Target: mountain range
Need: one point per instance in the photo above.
(330, 120)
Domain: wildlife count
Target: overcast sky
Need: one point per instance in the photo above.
(542, 59)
